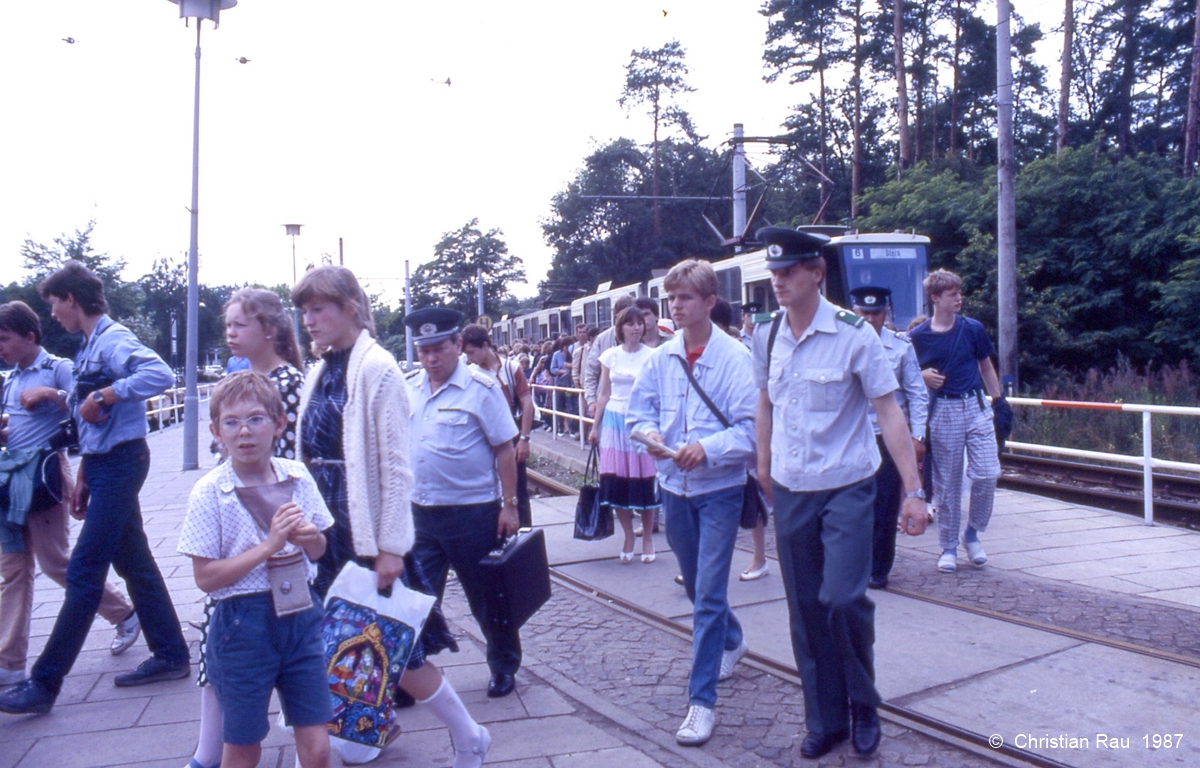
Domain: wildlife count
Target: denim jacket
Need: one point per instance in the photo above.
(664, 401)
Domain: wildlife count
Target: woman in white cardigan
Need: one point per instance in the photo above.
(353, 435)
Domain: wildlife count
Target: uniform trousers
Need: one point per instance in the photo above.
(824, 540)
(112, 534)
(887, 512)
(46, 542)
(957, 424)
(459, 537)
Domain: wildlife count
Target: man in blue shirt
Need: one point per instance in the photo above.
(34, 401)
(701, 471)
(955, 356)
(114, 374)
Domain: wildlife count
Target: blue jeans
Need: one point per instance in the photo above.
(112, 534)
(701, 531)
(459, 537)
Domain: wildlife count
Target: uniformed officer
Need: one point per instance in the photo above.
(872, 304)
(817, 368)
(464, 475)
(750, 310)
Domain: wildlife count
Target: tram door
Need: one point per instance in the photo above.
(898, 262)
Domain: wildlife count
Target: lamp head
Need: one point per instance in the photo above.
(203, 9)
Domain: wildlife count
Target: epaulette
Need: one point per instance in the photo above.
(766, 317)
(483, 378)
(849, 317)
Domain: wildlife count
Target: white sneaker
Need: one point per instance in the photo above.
(11, 677)
(975, 553)
(947, 563)
(730, 658)
(127, 634)
(697, 726)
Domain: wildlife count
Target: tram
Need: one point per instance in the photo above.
(897, 261)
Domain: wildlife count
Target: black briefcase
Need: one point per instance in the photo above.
(517, 579)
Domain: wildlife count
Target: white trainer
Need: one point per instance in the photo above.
(127, 634)
(947, 563)
(697, 726)
(975, 553)
(11, 677)
(730, 658)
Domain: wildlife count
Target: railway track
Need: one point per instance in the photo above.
(970, 741)
(1176, 497)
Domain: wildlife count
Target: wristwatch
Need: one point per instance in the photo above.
(511, 501)
(525, 438)
(98, 397)
(917, 494)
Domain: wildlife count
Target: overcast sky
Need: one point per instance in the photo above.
(337, 122)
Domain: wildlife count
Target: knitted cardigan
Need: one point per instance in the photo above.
(375, 425)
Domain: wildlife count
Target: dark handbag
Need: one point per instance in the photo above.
(1002, 418)
(517, 580)
(592, 520)
(754, 506)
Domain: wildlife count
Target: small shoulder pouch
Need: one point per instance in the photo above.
(288, 574)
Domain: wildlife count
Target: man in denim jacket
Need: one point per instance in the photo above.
(703, 483)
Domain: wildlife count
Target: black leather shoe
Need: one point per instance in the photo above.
(877, 582)
(152, 670)
(501, 685)
(864, 724)
(818, 745)
(27, 698)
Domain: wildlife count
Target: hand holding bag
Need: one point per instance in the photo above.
(368, 639)
(754, 506)
(288, 574)
(592, 521)
(517, 579)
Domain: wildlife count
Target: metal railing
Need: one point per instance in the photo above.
(167, 409)
(1146, 460)
(580, 418)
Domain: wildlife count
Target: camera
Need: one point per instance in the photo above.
(67, 435)
(87, 383)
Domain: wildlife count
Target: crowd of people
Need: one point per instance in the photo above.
(825, 412)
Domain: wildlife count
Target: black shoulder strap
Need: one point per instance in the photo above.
(771, 339)
(703, 395)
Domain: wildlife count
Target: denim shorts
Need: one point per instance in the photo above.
(251, 652)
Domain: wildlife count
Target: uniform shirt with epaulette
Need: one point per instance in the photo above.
(820, 386)
(912, 395)
(454, 433)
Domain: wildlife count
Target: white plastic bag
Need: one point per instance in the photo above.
(368, 640)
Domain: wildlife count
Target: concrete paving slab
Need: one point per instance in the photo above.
(1163, 580)
(1073, 693)
(546, 737)
(650, 586)
(14, 752)
(1188, 596)
(625, 757)
(178, 707)
(76, 718)
(1114, 584)
(1079, 571)
(97, 750)
(562, 546)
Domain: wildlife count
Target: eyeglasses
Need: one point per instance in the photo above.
(255, 422)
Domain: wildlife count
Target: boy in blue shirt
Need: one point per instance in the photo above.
(252, 650)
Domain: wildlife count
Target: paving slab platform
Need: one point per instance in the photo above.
(601, 687)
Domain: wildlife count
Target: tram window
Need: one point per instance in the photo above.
(729, 284)
(542, 328)
(589, 313)
(604, 312)
(531, 329)
(554, 324)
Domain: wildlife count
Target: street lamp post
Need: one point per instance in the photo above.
(292, 230)
(198, 10)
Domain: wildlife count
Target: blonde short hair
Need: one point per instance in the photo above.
(246, 385)
(695, 274)
(941, 280)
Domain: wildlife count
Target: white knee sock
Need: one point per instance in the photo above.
(464, 731)
(210, 743)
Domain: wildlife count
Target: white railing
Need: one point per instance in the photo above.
(580, 417)
(1146, 460)
(167, 408)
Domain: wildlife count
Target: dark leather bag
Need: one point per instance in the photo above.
(592, 521)
(517, 579)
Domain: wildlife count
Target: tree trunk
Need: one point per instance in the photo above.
(954, 81)
(654, 171)
(1191, 129)
(1064, 81)
(901, 85)
(824, 135)
(1128, 78)
(856, 161)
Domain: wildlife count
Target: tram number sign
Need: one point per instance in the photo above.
(485, 321)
